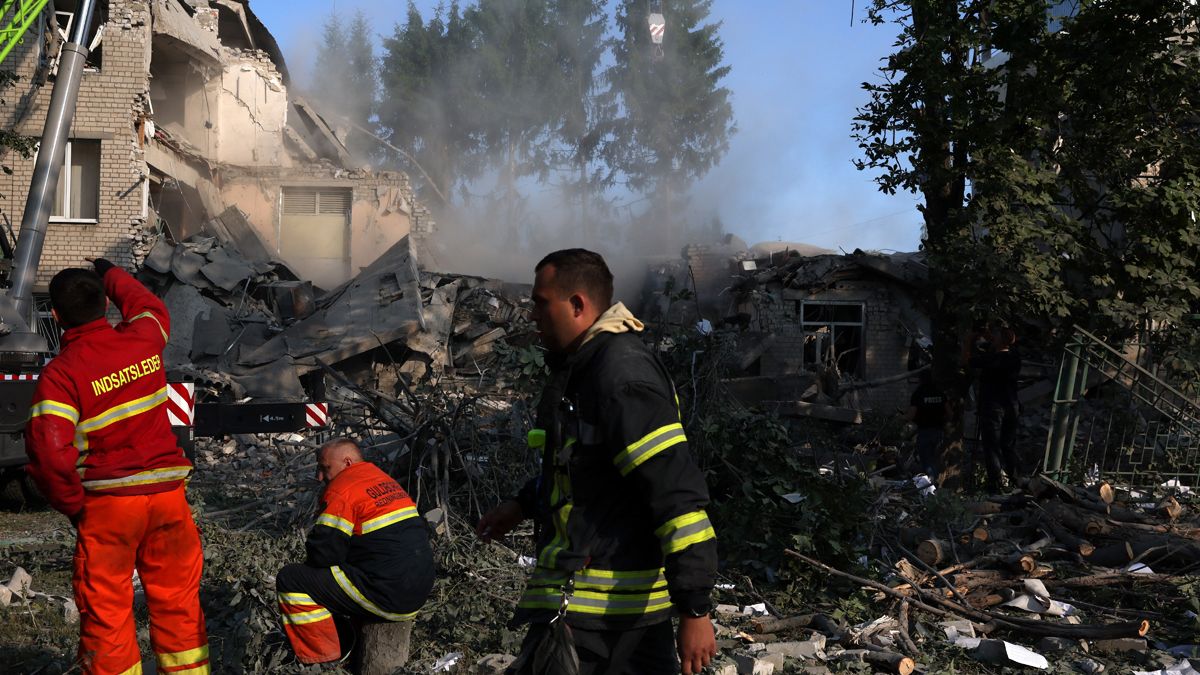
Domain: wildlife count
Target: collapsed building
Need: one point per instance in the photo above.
(820, 334)
(186, 115)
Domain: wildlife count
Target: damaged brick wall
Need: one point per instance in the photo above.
(110, 104)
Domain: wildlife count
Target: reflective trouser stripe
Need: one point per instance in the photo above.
(155, 534)
(683, 531)
(350, 589)
(310, 628)
(186, 661)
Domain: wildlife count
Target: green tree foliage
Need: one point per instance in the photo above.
(586, 111)
(524, 92)
(518, 83)
(676, 117)
(346, 79)
(430, 105)
(1059, 184)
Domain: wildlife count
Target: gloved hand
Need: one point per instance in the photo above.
(102, 266)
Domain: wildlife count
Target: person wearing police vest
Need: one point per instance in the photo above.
(368, 559)
(624, 542)
(102, 452)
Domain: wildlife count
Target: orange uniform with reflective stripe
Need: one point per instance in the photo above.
(102, 451)
(98, 422)
(368, 557)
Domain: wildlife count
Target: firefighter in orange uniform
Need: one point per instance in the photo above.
(102, 452)
(368, 556)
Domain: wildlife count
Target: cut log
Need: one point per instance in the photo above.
(1112, 555)
(911, 536)
(1169, 508)
(1067, 538)
(384, 647)
(1079, 521)
(933, 552)
(888, 662)
(770, 625)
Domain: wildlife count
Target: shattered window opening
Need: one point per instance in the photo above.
(77, 197)
(833, 331)
(64, 17)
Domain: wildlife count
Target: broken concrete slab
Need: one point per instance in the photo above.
(804, 650)
(171, 21)
(276, 381)
(751, 665)
(186, 265)
(233, 230)
(159, 257)
(379, 306)
(225, 271)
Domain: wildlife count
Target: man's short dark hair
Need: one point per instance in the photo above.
(77, 296)
(578, 269)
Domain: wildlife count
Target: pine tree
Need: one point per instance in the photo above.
(429, 104)
(581, 27)
(677, 118)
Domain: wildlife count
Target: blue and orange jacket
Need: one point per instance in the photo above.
(98, 422)
(371, 536)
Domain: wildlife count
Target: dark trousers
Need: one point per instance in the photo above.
(998, 436)
(929, 450)
(641, 651)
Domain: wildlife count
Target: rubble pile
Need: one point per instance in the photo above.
(1004, 582)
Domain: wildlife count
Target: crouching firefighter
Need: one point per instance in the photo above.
(624, 542)
(102, 452)
(368, 556)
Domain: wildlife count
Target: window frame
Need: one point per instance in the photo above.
(861, 325)
(65, 175)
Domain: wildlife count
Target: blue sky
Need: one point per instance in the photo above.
(797, 67)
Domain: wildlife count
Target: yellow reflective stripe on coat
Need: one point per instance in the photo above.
(336, 522)
(301, 618)
(597, 603)
(295, 599)
(603, 580)
(166, 475)
(124, 411)
(549, 555)
(68, 413)
(648, 446)
(389, 519)
(350, 589)
(185, 658)
(681, 532)
(149, 315)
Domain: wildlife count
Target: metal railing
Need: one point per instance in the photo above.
(1137, 429)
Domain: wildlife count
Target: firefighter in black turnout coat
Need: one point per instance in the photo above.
(624, 542)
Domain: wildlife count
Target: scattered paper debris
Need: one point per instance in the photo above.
(1002, 652)
(1139, 568)
(793, 497)
(446, 663)
(926, 486)
(759, 609)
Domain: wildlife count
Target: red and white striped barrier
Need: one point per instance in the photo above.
(27, 377)
(181, 403)
(316, 414)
